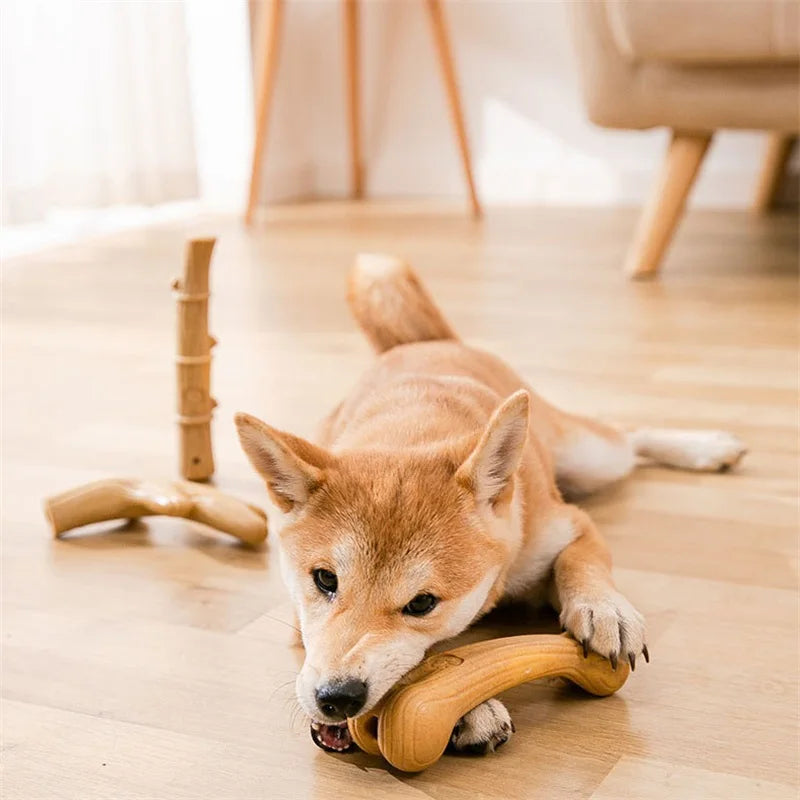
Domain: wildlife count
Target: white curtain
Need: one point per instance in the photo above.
(95, 106)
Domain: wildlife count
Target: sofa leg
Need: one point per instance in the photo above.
(665, 205)
(779, 148)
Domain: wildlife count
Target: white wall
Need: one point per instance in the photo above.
(531, 141)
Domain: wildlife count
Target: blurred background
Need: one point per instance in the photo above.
(114, 112)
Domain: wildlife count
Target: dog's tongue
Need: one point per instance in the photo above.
(331, 737)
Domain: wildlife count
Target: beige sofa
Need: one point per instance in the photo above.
(694, 66)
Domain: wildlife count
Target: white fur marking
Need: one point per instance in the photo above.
(469, 605)
(587, 461)
(487, 724)
(292, 583)
(342, 552)
(383, 666)
(377, 265)
(535, 562)
(606, 621)
(688, 449)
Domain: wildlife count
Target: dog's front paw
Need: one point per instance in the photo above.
(608, 624)
(483, 729)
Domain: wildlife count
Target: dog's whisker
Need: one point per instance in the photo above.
(297, 717)
(289, 703)
(283, 622)
(293, 672)
(281, 687)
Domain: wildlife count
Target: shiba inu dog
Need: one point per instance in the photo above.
(435, 491)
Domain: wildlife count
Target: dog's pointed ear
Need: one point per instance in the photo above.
(489, 469)
(292, 467)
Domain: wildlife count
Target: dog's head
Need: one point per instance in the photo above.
(385, 553)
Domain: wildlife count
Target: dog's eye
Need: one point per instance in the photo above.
(326, 581)
(421, 605)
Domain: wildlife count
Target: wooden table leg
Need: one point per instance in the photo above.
(445, 56)
(352, 78)
(271, 13)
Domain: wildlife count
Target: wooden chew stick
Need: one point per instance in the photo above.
(411, 726)
(193, 363)
(130, 498)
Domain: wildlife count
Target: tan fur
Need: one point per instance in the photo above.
(391, 305)
(437, 474)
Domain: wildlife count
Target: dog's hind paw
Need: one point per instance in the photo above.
(701, 451)
(483, 729)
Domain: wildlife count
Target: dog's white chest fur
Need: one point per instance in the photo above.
(534, 562)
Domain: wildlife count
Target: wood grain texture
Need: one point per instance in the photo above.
(133, 498)
(154, 661)
(666, 782)
(411, 726)
(193, 363)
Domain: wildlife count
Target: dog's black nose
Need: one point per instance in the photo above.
(340, 699)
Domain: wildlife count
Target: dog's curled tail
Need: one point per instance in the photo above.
(391, 305)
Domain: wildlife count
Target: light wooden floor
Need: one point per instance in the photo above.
(155, 661)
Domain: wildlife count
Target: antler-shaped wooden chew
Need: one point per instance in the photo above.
(411, 726)
(129, 498)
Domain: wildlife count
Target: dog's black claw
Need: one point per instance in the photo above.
(613, 659)
(646, 653)
(585, 645)
(501, 742)
(632, 660)
(480, 748)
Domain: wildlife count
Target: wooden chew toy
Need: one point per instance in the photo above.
(411, 726)
(193, 362)
(130, 498)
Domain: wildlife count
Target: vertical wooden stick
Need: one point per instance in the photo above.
(193, 363)
(445, 55)
(268, 43)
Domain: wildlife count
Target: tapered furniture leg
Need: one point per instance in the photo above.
(779, 148)
(665, 206)
(271, 12)
(445, 56)
(353, 78)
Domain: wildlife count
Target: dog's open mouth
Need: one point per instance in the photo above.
(334, 738)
